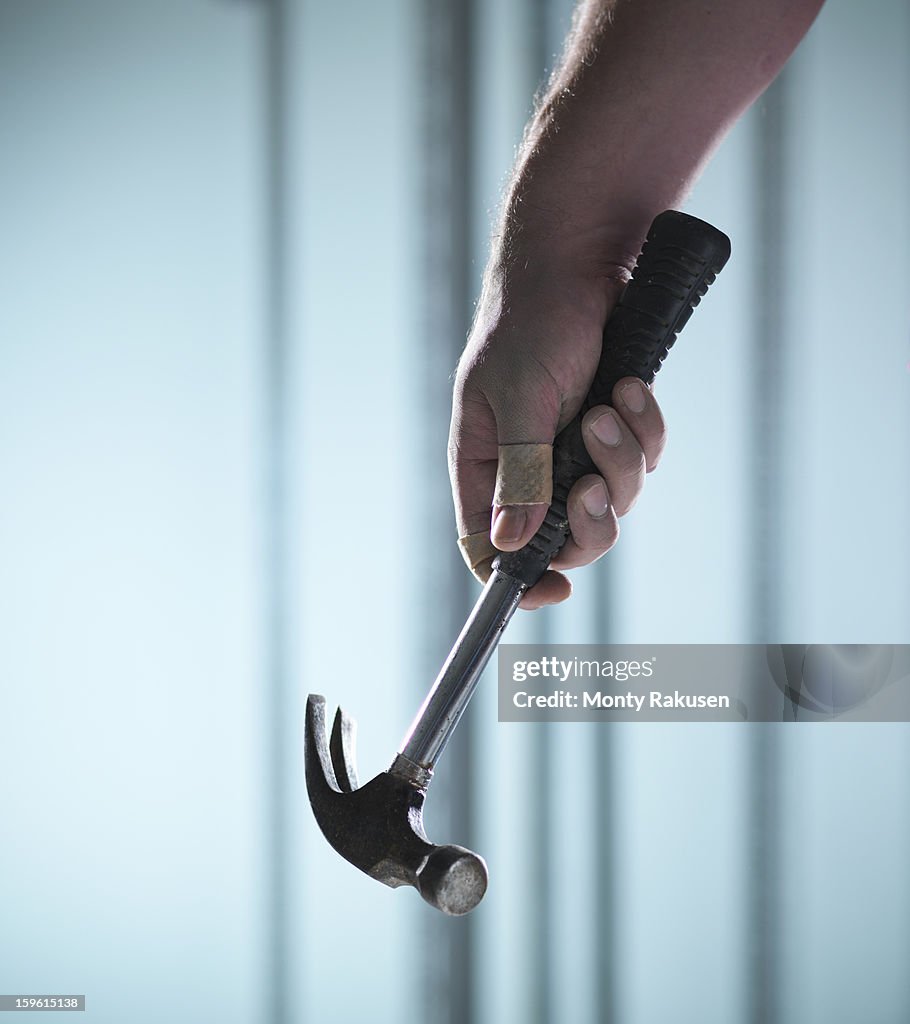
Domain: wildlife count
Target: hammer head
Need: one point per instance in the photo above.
(379, 827)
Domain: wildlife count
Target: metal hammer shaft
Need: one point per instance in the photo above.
(456, 682)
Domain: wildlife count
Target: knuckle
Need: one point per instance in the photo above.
(595, 537)
(584, 553)
(628, 503)
(610, 537)
(628, 472)
(636, 465)
(654, 458)
(655, 441)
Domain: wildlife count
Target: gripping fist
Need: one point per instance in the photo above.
(524, 374)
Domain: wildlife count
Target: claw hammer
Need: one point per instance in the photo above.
(378, 827)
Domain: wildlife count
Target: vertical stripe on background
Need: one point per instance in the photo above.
(447, 148)
(602, 810)
(276, 561)
(541, 918)
(548, 22)
(764, 538)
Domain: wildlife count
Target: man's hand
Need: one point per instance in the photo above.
(643, 95)
(524, 375)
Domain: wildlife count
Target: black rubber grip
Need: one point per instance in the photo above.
(679, 261)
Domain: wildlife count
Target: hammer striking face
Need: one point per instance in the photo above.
(379, 827)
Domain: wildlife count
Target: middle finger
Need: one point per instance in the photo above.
(617, 455)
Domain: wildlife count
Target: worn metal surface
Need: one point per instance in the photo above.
(378, 827)
(454, 686)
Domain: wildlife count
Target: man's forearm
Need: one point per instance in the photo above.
(645, 92)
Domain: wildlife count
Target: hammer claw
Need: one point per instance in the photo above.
(320, 775)
(341, 747)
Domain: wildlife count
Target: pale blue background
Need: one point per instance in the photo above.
(156, 850)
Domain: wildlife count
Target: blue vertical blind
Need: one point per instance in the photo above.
(131, 648)
(638, 873)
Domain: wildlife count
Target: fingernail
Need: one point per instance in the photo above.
(633, 396)
(595, 500)
(606, 429)
(508, 525)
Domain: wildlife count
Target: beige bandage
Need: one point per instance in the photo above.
(478, 552)
(524, 475)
